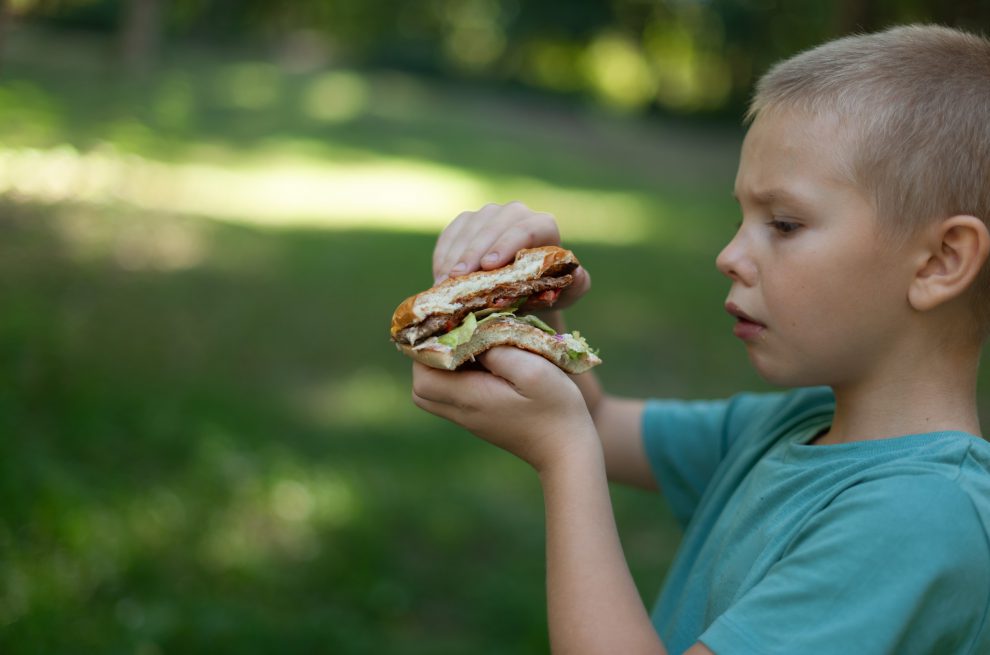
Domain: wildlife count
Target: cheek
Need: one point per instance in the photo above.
(822, 295)
(813, 294)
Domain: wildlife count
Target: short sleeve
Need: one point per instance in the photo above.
(899, 565)
(685, 441)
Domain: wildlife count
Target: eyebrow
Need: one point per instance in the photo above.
(768, 196)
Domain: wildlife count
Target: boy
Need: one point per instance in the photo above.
(849, 517)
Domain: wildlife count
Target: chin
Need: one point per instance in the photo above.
(784, 374)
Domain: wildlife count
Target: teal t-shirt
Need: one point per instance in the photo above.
(870, 547)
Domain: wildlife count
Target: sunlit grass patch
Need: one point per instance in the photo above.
(212, 446)
(386, 193)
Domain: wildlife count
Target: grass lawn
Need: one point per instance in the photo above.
(207, 439)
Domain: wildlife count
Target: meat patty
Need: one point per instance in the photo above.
(431, 325)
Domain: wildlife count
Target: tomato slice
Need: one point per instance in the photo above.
(547, 297)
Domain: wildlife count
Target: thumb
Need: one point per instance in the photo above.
(582, 279)
(577, 288)
(519, 367)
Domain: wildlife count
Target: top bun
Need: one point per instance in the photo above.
(448, 296)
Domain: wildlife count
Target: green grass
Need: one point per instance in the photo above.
(158, 424)
(221, 456)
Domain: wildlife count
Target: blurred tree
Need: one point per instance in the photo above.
(141, 30)
(684, 56)
(4, 17)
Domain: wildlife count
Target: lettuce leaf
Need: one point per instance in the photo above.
(537, 323)
(577, 346)
(462, 333)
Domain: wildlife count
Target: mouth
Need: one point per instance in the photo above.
(746, 328)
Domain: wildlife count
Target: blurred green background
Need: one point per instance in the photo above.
(209, 210)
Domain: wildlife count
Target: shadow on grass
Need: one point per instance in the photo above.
(215, 452)
(219, 455)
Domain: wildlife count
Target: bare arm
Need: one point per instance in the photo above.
(619, 425)
(576, 437)
(524, 404)
(592, 602)
(593, 605)
(490, 237)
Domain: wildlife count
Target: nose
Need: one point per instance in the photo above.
(735, 263)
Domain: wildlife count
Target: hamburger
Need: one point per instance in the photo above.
(453, 322)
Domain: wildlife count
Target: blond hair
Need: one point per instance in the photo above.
(918, 100)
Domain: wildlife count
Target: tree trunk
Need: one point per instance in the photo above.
(4, 19)
(141, 31)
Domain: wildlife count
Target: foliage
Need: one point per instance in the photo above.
(680, 56)
(208, 444)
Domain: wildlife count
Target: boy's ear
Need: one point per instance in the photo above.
(953, 252)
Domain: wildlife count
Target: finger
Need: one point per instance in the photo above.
(433, 384)
(469, 225)
(578, 287)
(464, 390)
(442, 252)
(477, 237)
(442, 410)
(526, 372)
(538, 230)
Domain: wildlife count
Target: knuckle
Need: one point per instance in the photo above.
(461, 218)
(454, 225)
(471, 253)
(529, 231)
(547, 222)
(528, 378)
(554, 228)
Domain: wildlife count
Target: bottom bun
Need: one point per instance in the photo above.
(500, 332)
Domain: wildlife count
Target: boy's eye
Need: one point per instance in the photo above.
(783, 226)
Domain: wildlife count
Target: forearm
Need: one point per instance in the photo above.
(617, 421)
(593, 603)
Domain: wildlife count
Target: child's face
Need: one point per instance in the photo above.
(823, 294)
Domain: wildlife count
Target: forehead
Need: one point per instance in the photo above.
(796, 151)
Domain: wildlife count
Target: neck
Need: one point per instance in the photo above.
(937, 396)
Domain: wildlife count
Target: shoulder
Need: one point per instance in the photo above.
(751, 408)
(912, 516)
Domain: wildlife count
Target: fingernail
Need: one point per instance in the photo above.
(458, 268)
(490, 258)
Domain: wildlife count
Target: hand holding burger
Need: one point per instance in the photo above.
(463, 316)
(492, 268)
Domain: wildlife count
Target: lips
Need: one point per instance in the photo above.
(746, 328)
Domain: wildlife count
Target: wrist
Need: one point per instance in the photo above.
(583, 454)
